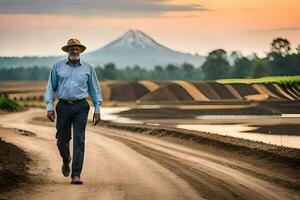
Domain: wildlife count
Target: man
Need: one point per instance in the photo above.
(73, 79)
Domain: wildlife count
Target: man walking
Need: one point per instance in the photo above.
(73, 79)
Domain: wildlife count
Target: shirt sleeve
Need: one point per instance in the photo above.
(94, 90)
(51, 88)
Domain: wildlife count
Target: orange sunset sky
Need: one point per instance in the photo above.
(41, 27)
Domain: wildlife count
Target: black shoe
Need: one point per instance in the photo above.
(65, 169)
(76, 180)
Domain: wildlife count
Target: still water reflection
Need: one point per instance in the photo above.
(240, 131)
(233, 130)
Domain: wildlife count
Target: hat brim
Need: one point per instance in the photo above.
(82, 47)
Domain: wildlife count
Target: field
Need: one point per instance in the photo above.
(268, 79)
(172, 139)
(173, 91)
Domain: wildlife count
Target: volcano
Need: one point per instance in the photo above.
(137, 48)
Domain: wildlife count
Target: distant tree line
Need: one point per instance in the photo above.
(280, 60)
(35, 73)
(185, 71)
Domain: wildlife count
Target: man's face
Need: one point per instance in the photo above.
(74, 52)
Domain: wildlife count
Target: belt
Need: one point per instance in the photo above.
(71, 101)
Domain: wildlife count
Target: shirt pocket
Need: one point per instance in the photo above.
(82, 77)
(64, 73)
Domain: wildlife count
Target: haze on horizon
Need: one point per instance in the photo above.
(34, 27)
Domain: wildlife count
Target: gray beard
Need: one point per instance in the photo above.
(74, 57)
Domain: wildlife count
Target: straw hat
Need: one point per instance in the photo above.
(73, 42)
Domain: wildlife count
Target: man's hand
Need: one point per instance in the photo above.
(51, 115)
(96, 118)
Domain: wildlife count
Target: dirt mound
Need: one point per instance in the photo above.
(280, 89)
(13, 166)
(262, 89)
(244, 89)
(206, 89)
(296, 90)
(179, 113)
(150, 85)
(105, 91)
(211, 90)
(126, 91)
(168, 92)
(193, 91)
(221, 90)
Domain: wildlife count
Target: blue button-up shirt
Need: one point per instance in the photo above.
(73, 83)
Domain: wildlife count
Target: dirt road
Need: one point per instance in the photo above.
(123, 165)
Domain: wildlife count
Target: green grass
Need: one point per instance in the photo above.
(8, 104)
(287, 80)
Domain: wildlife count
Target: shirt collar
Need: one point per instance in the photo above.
(67, 61)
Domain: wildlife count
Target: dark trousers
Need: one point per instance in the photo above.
(67, 115)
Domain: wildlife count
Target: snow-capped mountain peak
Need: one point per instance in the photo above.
(133, 39)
